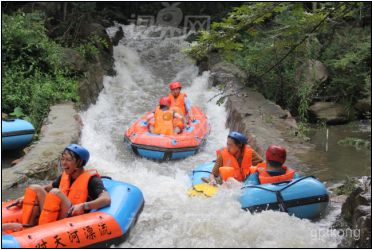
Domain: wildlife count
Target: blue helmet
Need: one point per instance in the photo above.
(82, 152)
(240, 137)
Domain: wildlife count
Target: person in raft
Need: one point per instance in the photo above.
(164, 119)
(15, 227)
(234, 161)
(76, 190)
(273, 170)
(180, 100)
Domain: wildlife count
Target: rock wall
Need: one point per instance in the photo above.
(263, 122)
(41, 162)
(356, 216)
(62, 126)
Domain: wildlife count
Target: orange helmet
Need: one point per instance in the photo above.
(165, 101)
(175, 85)
(276, 153)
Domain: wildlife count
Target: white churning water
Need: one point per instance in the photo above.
(146, 63)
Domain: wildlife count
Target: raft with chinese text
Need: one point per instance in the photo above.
(100, 228)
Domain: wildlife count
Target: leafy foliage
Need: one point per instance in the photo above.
(88, 48)
(275, 43)
(354, 142)
(32, 75)
(18, 113)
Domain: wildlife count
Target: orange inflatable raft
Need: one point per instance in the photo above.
(168, 147)
(98, 229)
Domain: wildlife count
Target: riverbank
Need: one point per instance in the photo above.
(41, 162)
(263, 122)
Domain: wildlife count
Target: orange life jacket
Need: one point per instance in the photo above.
(229, 161)
(78, 192)
(177, 120)
(163, 122)
(266, 178)
(179, 103)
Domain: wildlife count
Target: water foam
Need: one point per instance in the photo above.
(171, 218)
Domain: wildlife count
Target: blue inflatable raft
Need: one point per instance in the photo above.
(100, 228)
(304, 198)
(16, 133)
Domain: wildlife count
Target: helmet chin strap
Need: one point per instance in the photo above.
(241, 149)
(77, 168)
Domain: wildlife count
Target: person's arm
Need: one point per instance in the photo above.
(150, 116)
(188, 109)
(48, 187)
(183, 119)
(11, 226)
(215, 171)
(103, 200)
(256, 158)
(99, 195)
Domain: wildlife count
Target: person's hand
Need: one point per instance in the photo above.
(213, 182)
(187, 126)
(16, 227)
(77, 209)
(193, 119)
(20, 200)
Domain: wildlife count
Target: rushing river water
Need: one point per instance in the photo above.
(146, 63)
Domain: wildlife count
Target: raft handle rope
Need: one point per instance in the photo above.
(68, 214)
(26, 225)
(106, 177)
(282, 207)
(13, 204)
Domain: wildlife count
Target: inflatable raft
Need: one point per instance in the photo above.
(168, 147)
(304, 197)
(16, 133)
(98, 229)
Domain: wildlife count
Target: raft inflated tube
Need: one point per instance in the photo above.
(304, 198)
(168, 147)
(98, 229)
(16, 133)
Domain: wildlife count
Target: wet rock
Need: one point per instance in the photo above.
(226, 73)
(332, 113)
(359, 212)
(314, 71)
(15, 162)
(90, 87)
(4, 116)
(363, 199)
(73, 60)
(26, 150)
(43, 129)
(356, 214)
(105, 54)
(42, 160)
(339, 199)
(118, 36)
(115, 13)
(95, 29)
(364, 105)
(364, 225)
(349, 206)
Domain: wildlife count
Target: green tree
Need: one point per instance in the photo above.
(32, 75)
(273, 42)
